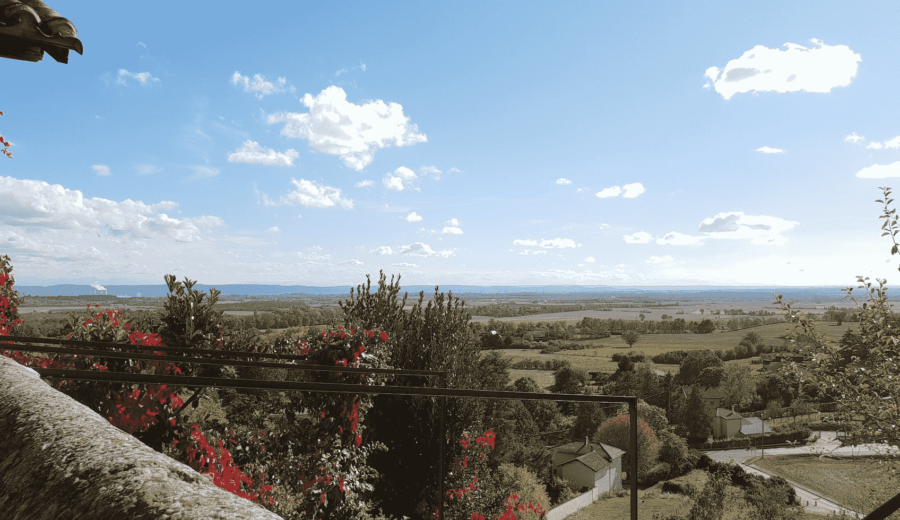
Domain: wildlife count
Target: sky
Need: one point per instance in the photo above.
(466, 143)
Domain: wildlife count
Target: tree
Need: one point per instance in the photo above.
(631, 337)
(568, 380)
(616, 432)
(694, 417)
(694, 363)
(5, 151)
(673, 450)
(738, 386)
(706, 326)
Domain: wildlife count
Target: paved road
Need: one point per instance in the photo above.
(828, 443)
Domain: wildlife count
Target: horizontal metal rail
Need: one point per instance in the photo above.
(262, 384)
(224, 362)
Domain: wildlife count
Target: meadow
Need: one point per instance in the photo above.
(858, 483)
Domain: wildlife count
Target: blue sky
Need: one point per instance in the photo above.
(483, 143)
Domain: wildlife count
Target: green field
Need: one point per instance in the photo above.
(599, 358)
(859, 483)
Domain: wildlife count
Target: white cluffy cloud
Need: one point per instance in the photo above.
(401, 179)
(258, 85)
(563, 181)
(312, 195)
(853, 138)
(819, 68)
(554, 243)
(451, 227)
(367, 183)
(766, 149)
(759, 229)
(880, 171)
(590, 259)
(252, 152)
(891, 144)
(660, 259)
(414, 217)
(383, 250)
(629, 191)
(641, 237)
(101, 169)
(32, 209)
(352, 132)
(144, 78)
(424, 250)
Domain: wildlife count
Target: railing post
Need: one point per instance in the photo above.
(441, 441)
(633, 418)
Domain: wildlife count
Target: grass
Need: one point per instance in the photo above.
(858, 483)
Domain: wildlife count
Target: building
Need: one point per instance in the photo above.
(712, 396)
(28, 28)
(729, 424)
(588, 465)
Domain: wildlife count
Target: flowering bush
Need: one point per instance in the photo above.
(616, 432)
(5, 150)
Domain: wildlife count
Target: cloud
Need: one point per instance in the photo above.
(558, 243)
(252, 152)
(604, 226)
(854, 138)
(258, 85)
(39, 206)
(590, 259)
(147, 169)
(641, 237)
(880, 171)
(519, 242)
(660, 259)
(414, 217)
(205, 171)
(144, 78)
(352, 132)
(530, 252)
(451, 227)
(430, 171)
(563, 181)
(633, 190)
(678, 239)
(766, 149)
(424, 250)
(403, 264)
(891, 144)
(454, 170)
(383, 250)
(759, 229)
(367, 183)
(312, 195)
(613, 191)
(401, 179)
(273, 229)
(352, 261)
(102, 170)
(629, 191)
(819, 68)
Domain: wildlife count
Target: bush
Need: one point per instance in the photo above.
(793, 434)
(559, 491)
(679, 488)
(660, 472)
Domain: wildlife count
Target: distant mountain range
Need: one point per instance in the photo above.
(150, 291)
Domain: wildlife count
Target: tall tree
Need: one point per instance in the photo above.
(631, 337)
(694, 363)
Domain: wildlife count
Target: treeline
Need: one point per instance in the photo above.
(509, 310)
(537, 364)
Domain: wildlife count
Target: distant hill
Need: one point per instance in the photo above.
(506, 290)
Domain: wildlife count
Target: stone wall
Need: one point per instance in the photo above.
(61, 460)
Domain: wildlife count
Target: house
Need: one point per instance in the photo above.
(712, 396)
(727, 424)
(28, 28)
(588, 465)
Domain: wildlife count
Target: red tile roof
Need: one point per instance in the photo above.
(28, 28)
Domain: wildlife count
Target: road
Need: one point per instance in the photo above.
(828, 443)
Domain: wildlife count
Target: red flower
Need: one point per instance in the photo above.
(384, 336)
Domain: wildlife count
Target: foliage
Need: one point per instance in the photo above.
(693, 364)
(559, 492)
(631, 337)
(705, 327)
(738, 386)
(5, 150)
(425, 337)
(616, 432)
(569, 380)
(9, 298)
(693, 416)
(864, 374)
(526, 486)
(673, 451)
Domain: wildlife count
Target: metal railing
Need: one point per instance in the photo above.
(31, 344)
